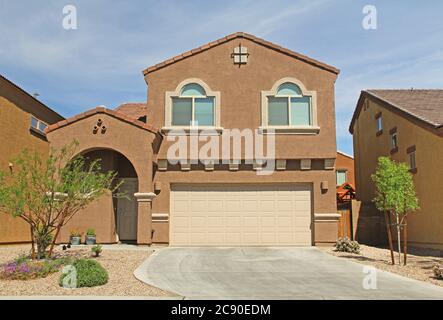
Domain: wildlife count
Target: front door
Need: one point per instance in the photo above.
(127, 211)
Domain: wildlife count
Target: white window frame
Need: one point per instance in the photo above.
(38, 125)
(313, 128)
(169, 95)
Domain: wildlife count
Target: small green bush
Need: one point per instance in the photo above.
(97, 249)
(89, 274)
(347, 245)
(90, 232)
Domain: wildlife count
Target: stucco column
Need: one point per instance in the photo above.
(144, 218)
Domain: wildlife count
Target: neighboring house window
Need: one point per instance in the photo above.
(379, 123)
(192, 104)
(341, 177)
(38, 124)
(412, 163)
(288, 106)
(394, 141)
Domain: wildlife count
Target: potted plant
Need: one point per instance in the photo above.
(76, 237)
(90, 236)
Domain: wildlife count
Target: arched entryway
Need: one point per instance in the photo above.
(124, 208)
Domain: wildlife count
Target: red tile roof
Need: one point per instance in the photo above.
(423, 106)
(101, 109)
(133, 109)
(245, 36)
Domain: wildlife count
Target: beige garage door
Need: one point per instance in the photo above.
(240, 215)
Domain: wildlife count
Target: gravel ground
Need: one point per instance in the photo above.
(120, 265)
(419, 265)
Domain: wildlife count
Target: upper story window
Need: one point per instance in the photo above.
(412, 161)
(379, 122)
(193, 104)
(394, 140)
(193, 107)
(38, 125)
(288, 106)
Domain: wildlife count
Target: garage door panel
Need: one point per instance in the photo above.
(233, 221)
(233, 238)
(235, 215)
(251, 221)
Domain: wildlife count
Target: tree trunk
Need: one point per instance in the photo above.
(405, 239)
(51, 249)
(389, 231)
(32, 244)
(398, 238)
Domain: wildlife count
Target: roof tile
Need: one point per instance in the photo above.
(101, 109)
(426, 105)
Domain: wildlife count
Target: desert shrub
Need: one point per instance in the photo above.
(438, 271)
(89, 274)
(23, 268)
(347, 245)
(97, 249)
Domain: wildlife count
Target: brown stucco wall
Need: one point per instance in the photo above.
(426, 225)
(98, 215)
(132, 142)
(346, 163)
(16, 108)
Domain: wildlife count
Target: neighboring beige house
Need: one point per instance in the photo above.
(406, 125)
(237, 82)
(23, 120)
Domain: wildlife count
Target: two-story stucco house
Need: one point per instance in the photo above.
(23, 120)
(241, 83)
(406, 125)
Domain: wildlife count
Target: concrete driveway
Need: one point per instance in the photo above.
(273, 273)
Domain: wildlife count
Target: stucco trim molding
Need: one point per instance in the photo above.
(144, 196)
(160, 217)
(192, 131)
(289, 130)
(326, 216)
(209, 93)
(311, 129)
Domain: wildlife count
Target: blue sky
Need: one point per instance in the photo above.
(101, 61)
